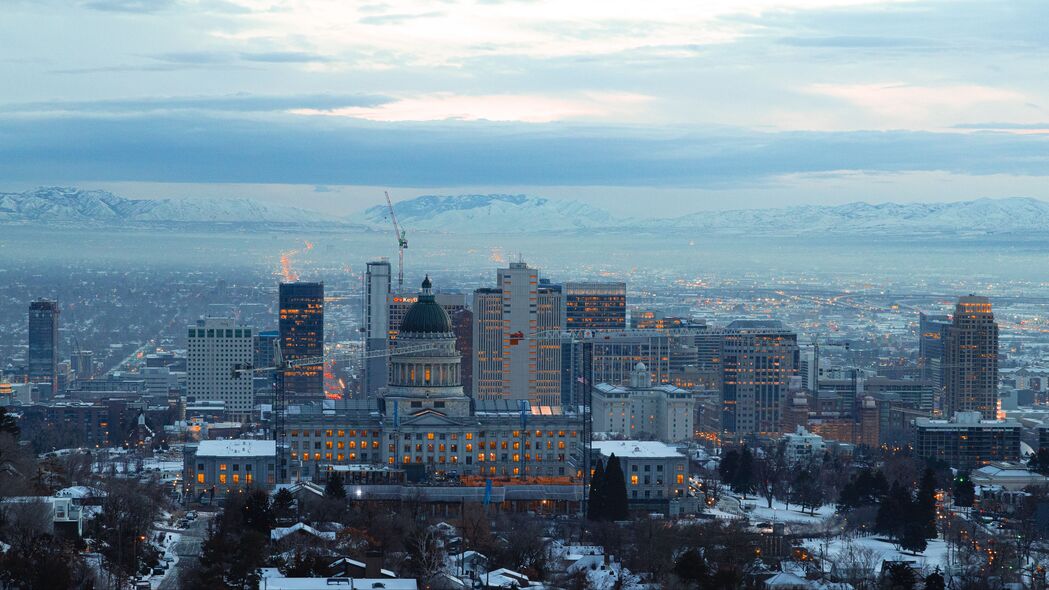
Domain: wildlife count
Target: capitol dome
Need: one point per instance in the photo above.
(425, 316)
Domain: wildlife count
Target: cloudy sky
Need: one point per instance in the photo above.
(672, 104)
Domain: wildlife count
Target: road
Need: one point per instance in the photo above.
(187, 550)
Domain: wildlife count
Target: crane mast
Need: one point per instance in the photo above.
(402, 243)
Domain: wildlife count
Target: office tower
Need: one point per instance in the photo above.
(84, 364)
(758, 358)
(971, 372)
(932, 346)
(462, 326)
(376, 326)
(43, 343)
(512, 360)
(615, 354)
(215, 346)
(487, 344)
(519, 289)
(967, 440)
(595, 305)
(549, 323)
(301, 327)
(264, 351)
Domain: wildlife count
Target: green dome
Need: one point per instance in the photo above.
(425, 316)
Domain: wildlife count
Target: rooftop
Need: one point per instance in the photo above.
(637, 449)
(236, 448)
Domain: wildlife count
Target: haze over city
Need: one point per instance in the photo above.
(507, 294)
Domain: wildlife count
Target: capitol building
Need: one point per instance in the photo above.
(424, 424)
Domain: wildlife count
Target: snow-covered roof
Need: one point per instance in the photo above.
(637, 449)
(787, 580)
(237, 448)
(276, 583)
(279, 533)
(79, 492)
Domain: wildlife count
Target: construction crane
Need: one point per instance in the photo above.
(402, 243)
(280, 401)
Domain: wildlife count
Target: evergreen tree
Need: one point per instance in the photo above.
(596, 506)
(743, 479)
(964, 491)
(925, 504)
(913, 537)
(728, 466)
(334, 489)
(901, 577)
(618, 506)
(935, 581)
(691, 568)
(892, 511)
(1039, 461)
(282, 502)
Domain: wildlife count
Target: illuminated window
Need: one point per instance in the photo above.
(222, 467)
(200, 478)
(236, 478)
(680, 478)
(469, 447)
(247, 478)
(339, 457)
(327, 445)
(633, 480)
(429, 436)
(341, 445)
(222, 478)
(469, 436)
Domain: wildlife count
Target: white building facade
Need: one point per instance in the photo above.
(215, 346)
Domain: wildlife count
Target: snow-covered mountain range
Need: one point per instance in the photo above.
(1000, 216)
(522, 214)
(489, 214)
(65, 204)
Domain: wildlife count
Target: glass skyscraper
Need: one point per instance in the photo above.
(301, 327)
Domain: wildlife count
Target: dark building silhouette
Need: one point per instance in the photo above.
(462, 325)
(932, 346)
(43, 343)
(301, 328)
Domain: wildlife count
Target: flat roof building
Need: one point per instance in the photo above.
(966, 440)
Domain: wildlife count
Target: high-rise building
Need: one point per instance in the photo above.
(971, 372)
(301, 327)
(550, 323)
(376, 326)
(215, 346)
(43, 343)
(615, 354)
(595, 305)
(462, 326)
(84, 364)
(512, 360)
(932, 346)
(265, 355)
(758, 358)
(487, 344)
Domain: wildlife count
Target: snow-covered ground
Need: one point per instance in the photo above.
(934, 555)
(758, 511)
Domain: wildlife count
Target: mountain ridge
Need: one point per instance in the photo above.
(71, 204)
(525, 214)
